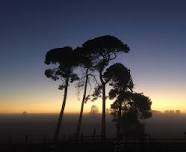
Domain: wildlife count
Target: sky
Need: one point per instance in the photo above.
(155, 31)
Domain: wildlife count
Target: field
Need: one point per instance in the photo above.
(33, 132)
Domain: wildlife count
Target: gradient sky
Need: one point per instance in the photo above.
(155, 30)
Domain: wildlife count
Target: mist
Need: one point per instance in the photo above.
(39, 127)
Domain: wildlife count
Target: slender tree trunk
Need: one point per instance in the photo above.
(119, 112)
(82, 106)
(57, 131)
(119, 122)
(103, 119)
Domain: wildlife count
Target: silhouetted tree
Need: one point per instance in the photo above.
(120, 81)
(104, 49)
(128, 108)
(64, 61)
(86, 63)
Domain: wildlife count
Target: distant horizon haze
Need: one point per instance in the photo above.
(166, 111)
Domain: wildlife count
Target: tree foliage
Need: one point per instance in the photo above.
(64, 61)
(103, 49)
(133, 105)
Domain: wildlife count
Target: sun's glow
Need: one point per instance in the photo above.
(51, 101)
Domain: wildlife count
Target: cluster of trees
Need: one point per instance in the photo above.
(94, 57)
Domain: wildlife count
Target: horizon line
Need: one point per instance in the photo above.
(75, 113)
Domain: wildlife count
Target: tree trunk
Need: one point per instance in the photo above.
(57, 131)
(103, 119)
(82, 106)
(119, 123)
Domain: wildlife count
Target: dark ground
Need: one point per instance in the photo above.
(96, 145)
(33, 133)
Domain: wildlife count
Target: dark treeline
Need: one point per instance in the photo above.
(94, 57)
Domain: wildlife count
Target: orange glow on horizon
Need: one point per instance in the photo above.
(50, 102)
(158, 103)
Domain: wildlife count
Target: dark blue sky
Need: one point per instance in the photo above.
(155, 30)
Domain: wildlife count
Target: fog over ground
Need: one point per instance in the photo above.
(38, 127)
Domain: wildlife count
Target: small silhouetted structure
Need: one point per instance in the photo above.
(94, 109)
(172, 111)
(25, 113)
